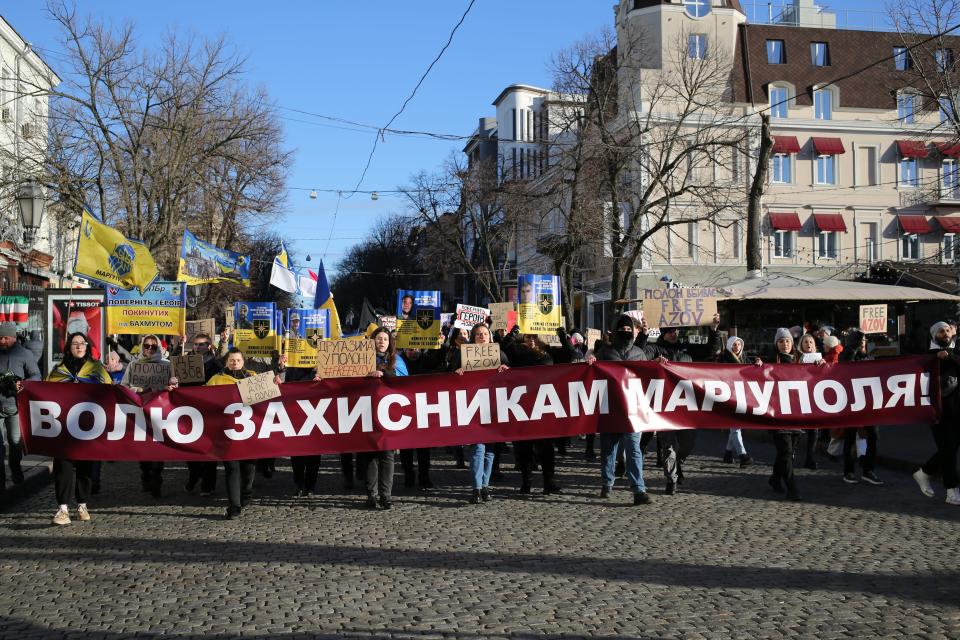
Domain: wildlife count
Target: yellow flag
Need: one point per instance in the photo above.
(106, 255)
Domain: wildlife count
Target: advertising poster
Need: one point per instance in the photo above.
(160, 310)
(67, 313)
(255, 333)
(418, 319)
(538, 304)
(305, 329)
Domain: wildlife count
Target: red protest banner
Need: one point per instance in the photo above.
(103, 422)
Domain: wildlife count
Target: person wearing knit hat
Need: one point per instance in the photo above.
(946, 433)
(20, 362)
(785, 440)
(734, 354)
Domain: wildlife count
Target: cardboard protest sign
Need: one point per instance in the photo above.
(188, 369)
(467, 316)
(207, 326)
(873, 318)
(476, 357)
(418, 320)
(552, 339)
(258, 388)
(388, 322)
(228, 317)
(148, 375)
(592, 336)
(683, 307)
(160, 309)
(346, 358)
(503, 315)
(538, 303)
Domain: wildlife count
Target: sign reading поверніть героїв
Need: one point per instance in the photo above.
(103, 422)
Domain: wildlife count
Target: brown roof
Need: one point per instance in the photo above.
(849, 51)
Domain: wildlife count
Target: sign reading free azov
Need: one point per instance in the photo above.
(679, 307)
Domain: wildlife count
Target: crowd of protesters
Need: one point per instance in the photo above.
(621, 454)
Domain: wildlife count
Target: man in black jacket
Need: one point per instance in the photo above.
(19, 362)
(946, 433)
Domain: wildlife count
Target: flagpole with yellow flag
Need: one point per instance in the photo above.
(106, 255)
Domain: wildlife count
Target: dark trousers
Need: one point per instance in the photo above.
(811, 442)
(151, 475)
(423, 466)
(305, 471)
(378, 466)
(239, 480)
(524, 451)
(346, 465)
(72, 479)
(869, 460)
(589, 443)
(944, 461)
(203, 472)
(785, 443)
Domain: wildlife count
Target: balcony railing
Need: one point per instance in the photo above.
(788, 14)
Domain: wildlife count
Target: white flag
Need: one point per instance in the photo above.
(283, 278)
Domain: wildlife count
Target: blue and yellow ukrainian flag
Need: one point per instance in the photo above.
(324, 300)
(106, 255)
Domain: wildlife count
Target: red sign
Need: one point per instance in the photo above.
(104, 422)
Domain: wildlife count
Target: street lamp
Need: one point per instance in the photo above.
(31, 200)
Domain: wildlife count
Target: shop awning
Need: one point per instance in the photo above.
(947, 149)
(829, 222)
(912, 149)
(914, 224)
(828, 146)
(786, 144)
(785, 221)
(950, 225)
(783, 287)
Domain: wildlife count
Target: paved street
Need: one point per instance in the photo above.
(719, 560)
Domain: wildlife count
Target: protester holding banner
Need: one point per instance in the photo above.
(379, 464)
(16, 365)
(412, 360)
(946, 432)
(733, 354)
(203, 472)
(785, 440)
(855, 351)
(527, 350)
(809, 353)
(622, 349)
(74, 478)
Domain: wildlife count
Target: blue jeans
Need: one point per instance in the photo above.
(481, 465)
(735, 443)
(610, 443)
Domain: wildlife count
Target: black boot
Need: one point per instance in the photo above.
(728, 456)
(475, 497)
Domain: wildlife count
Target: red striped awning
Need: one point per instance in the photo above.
(914, 224)
(947, 149)
(950, 225)
(785, 221)
(828, 146)
(912, 149)
(830, 222)
(786, 144)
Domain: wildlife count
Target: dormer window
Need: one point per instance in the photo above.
(775, 52)
(697, 8)
(819, 54)
(944, 58)
(901, 59)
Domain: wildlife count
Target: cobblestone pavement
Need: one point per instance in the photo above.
(721, 559)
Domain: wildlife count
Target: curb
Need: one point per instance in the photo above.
(35, 478)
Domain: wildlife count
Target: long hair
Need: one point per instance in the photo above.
(390, 357)
(476, 327)
(539, 347)
(73, 364)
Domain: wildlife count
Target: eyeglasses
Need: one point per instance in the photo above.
(78, 344)
(150, 347)
(201, 345)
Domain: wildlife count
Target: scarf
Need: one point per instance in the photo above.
(89, 372)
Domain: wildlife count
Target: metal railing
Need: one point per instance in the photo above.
(785, 13)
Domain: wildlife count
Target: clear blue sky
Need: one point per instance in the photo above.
(359, 60)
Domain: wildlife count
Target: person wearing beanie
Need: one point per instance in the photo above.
(622, 348)
(17, 361)
(734, 354)
(946, 433)
(832, 349)
(785, 440)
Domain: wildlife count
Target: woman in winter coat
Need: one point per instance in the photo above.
(734, 354)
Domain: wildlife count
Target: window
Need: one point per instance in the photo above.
(946, 109)
(901, 59)
(905, 107)
(819, 54)
(950, 178)
(782, 172)
(782, 244)
(513, 134)
(779, 101)
(829, 244)
(826, 170)
(697, 46)
(775, 52)
(697, 8)
(822, 104)
(944, 58)
(908, 172)
(949, 247)
(909, 246)
(868, 242)
(867, 167)
(737, 239)
(692, 240)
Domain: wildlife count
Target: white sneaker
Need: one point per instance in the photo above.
(953, 496)
(82, 514)
(923, 480)
(62, 517)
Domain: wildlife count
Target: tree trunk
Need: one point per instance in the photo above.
(754, 253)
